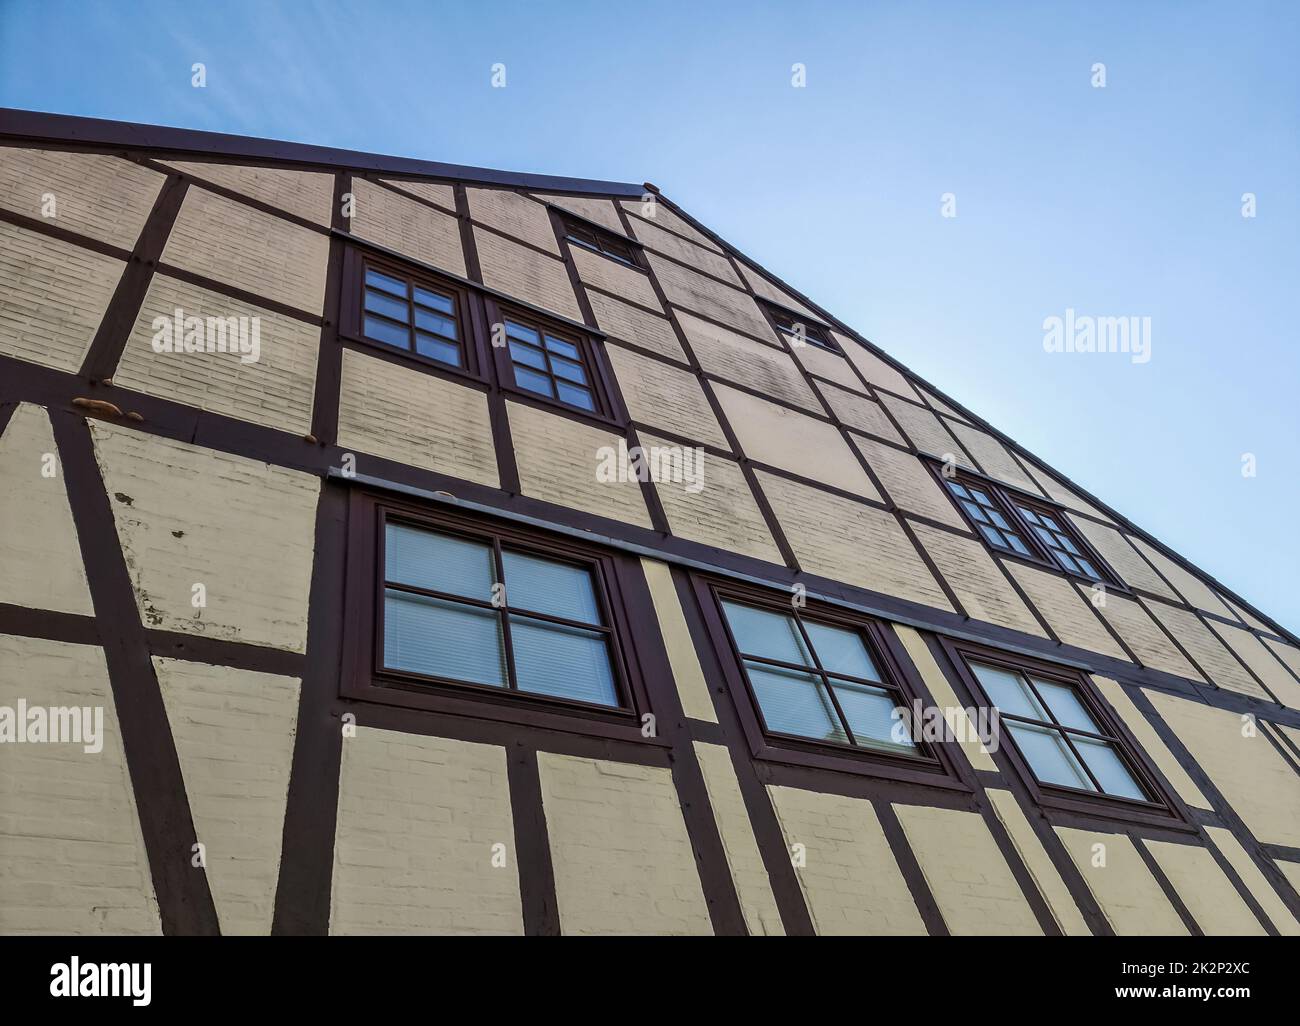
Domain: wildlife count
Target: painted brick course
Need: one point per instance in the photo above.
(407, 226)
(526, 274)
(307, 194)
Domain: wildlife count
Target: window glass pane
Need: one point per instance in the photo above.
(1030, 515)
(439, 638)
(1066, 706)
(1109, 768)
(385, 282)
(1049, 756)
(794, 702)
(435, 299)
(993, 535)
(386, 331)
(870, 712)
(976, 512)
(1066, 562)
(526, 334)
(958, 489)
(1008, 692)
(568, 369)
(435, 322)
(551, 587)
(841, 651)
(980, 497)
(1017, 544)
(1049, 522)
(566, 662)
(1068, 545)
(563, 348)
(999, 519)
(437, 348)
(575, 396)
(377, 302)
(527, 355)
(1089, 569)
(764, 633)
(533, 381)
(438, 562)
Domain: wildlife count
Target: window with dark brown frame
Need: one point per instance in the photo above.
(411, 312)
(801, 331)
(608, 244)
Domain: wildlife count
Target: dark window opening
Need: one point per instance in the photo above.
(411, 315)
(800, 332)
(604, 243)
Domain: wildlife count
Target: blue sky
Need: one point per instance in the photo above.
(1123, 200)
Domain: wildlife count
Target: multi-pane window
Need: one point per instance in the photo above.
(605, 243)
(409, 315)
(474, 610)
(549, 365)
(1058, 543)
(816, 680)
(988, 517)
(802, 331)
(1060, 739)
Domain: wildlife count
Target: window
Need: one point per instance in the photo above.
(411, 315)
(608, 244)
(799, 331)
(987, 517)
(551, 363)
(1062, 741)
(1046, 527)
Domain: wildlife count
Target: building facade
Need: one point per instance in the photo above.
(431, 549)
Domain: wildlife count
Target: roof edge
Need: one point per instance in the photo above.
(40, 126)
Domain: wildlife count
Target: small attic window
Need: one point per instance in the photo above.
(589, 236)
(801, 331)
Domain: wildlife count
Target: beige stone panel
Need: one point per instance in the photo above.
(753, 886)
(434, 192)
(706, 260)
(972, 884)
(418, 820)
(276, 390)
(1246, 617)
(665, 396)
(659, 214)
(940, 405)
(1208, 894)
(846, 541)
(945, 698)
(685, 288)
(95, 194)
(1067, 612)
(859, 412)
(1209, 653)
(241, 528)
(1114, 547)
(1063, 495)
(1129, 896)
(980, 586)
(1253, 776)
(783, 438)
(766, 369)
(516, 215)
(526, 274)
(825, 364)
(876, 370)
(258, 252)
(993, 456)
(909, 483)
(1150, 742)
(692, 688)
(418, 419)
(234, 732)
(1032, 853)
(925, 431)
(640, 327)
(1192, 588)
(1261, 661)
(1289, 654)
(622, 856)
(40, 558)
(611, 276)
(592, 208)
(55, 295)
(407, 227)
(1291, 870)
(1148, 642)
(558, 459)
(760, 285)
(308, 194)
(1256, 883)
(850, 880)
(72, 857)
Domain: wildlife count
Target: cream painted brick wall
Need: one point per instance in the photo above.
(308, 194)
(641, 328)
(234, 732)
(1257, 782)
(1251, 875)
(1063, 495)
(526, 274)
(1289, 654)
(95, 194)
(276, 390)
(558, 458)
(242, 246)
(753, 886)
(857, 411)
(723, 513)
(874, 369)
(40, 558)
(1192, 588)
(592, 208)
(692, 688)
(683, 287)
(1128, 894)
(765, 369)
(925, 431)
(1291, 870)
(659, 214)
(765, 288)
(1206, 649)
(851, 882)
(1260, 660)
(1133, 570)
(72, 858)
(993, 456)
(418, 819)
(513, 214)
(939, 404)
(975, 578)
(1068, 612)
(187, 515)
(1208, 894)
(55, 295)
(434, 192)
(678, 248)
(622, 856)
(867, 548)
(828, 365)
(406, 226)
(611, 276)
(970, 880)
(945, 698)
(909, 484)
(1141, 634)
(665, 396)
(791, 441)
(414, 418)
(1031, 851)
